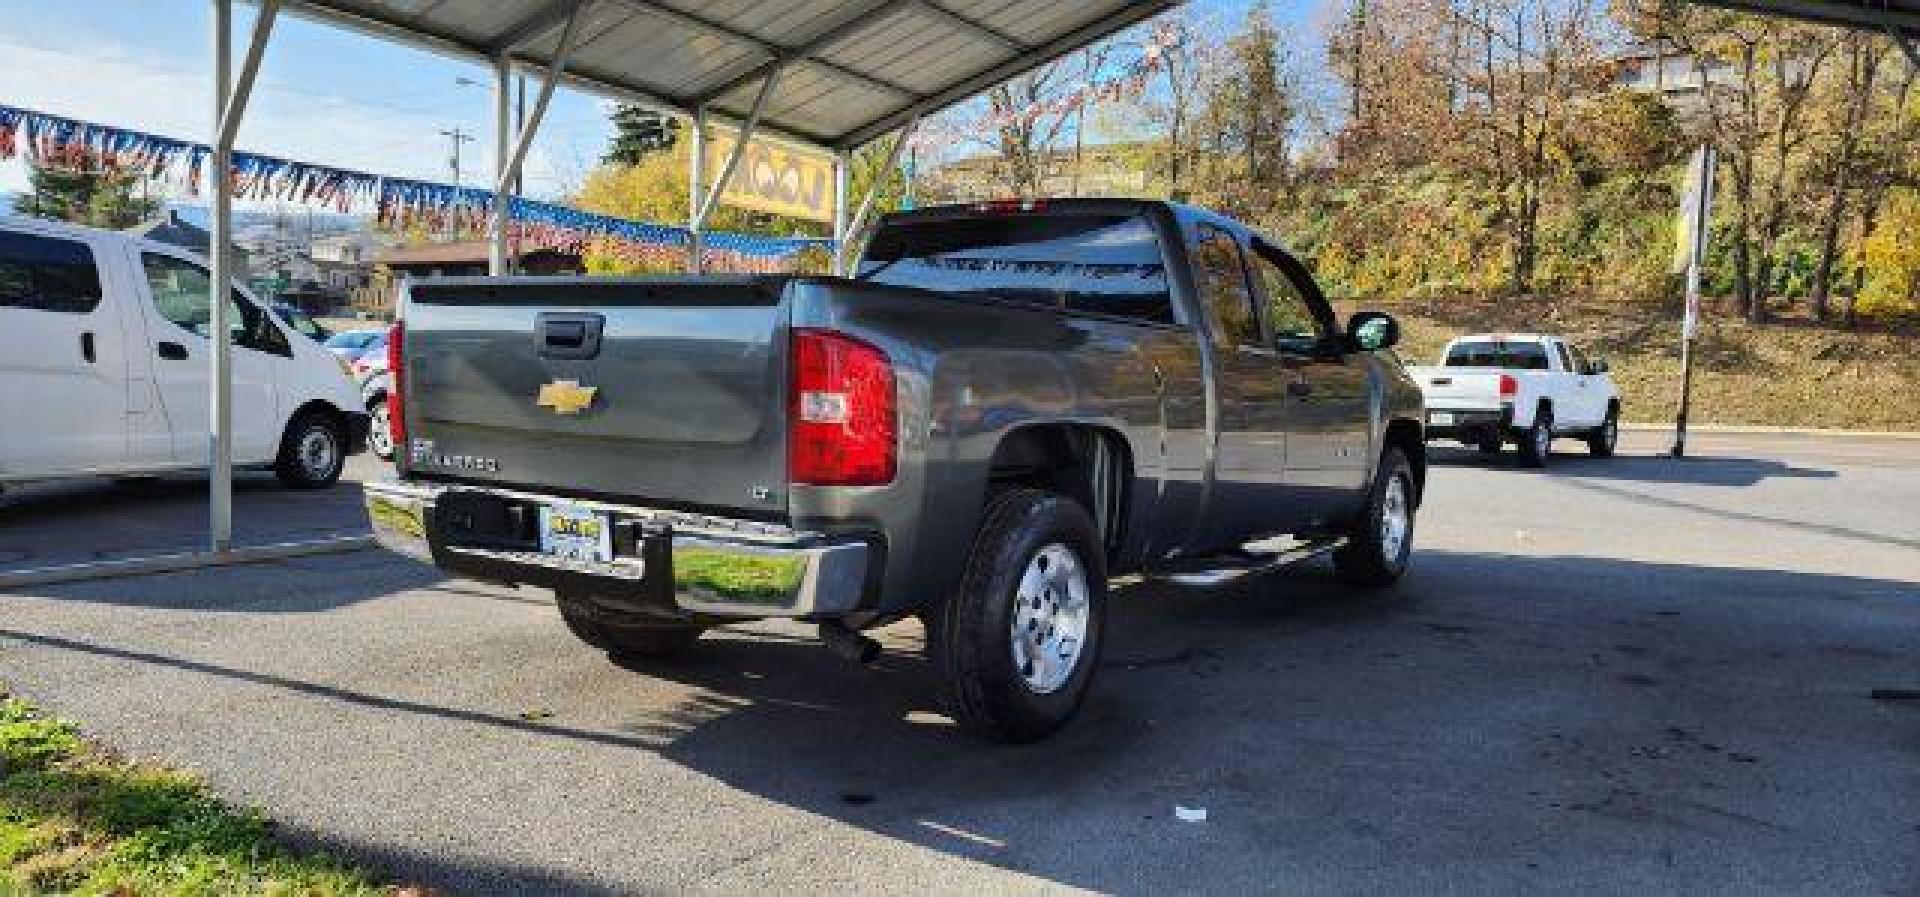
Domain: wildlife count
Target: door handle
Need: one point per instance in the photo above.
(1299, 388)
(172, 351)
(86, 346)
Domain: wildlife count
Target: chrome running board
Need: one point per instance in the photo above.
(1251, 565)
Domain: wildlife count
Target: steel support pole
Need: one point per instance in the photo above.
(230, 106)
(843, 252)
(740, 142)
(1701, 215)
(502, 173)
(696, 186)
(842, 179)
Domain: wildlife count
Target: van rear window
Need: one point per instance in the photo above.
(1108, 264)
(47, 274)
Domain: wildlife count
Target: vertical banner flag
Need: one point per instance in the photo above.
(772, 177)
(1690, 243)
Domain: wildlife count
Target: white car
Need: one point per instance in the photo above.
(1525, 387)
(104, 366)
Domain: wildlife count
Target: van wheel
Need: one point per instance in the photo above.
(1381, 541)
(623, 639)
(1489, 442)
(1536, 442)
(1018, 641)
(312, 452)
(380, 429)
(1603, 439)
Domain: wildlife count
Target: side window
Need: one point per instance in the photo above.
(1296, 328)
(1579, 358)
(180, 291)
(47, 274)
(1221, 276)
(1566, 361)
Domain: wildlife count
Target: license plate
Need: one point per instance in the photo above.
(1441, 418)
(576, 533)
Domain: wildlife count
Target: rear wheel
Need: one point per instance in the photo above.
(623, 637)
(1536, 442)
(1380, 542)
(1602, 440)
(1018, 641)
(1489, 442)
(312, 451)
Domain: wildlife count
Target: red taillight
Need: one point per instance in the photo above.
(1509, 387)
(840, 405)
(396, 405)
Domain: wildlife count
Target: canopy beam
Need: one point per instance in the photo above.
(705, 198)
(803, 51)
(765, 47)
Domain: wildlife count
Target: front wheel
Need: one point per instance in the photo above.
(312, 452)
(1018, 641)
(1380, 543)
(1603, 439)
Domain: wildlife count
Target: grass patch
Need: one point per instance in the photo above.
(75, 819)
(1786, 374)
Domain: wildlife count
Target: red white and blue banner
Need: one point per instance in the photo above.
(50, 140)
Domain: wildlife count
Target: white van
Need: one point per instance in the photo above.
(104, 366)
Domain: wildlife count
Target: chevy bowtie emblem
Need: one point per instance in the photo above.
(566, 396)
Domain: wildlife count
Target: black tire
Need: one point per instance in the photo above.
(379, 429)
(1536, 441)
(313, 451)
(1603, 439)
(989, 693)
(1369, 558)
(1490, 443)
(623, 638)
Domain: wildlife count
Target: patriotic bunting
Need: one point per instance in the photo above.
(66, 143)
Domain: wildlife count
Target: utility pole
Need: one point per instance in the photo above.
(1698, 217)
(457, 136)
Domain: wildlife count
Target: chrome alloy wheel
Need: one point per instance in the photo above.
(1050, 614)
(318, 451)
(1542, 439)
(380, 433)
(1396, 520)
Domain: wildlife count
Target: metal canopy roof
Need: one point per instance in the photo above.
(855, 69)
(1899, 18)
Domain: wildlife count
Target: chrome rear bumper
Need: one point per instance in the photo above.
(714, 566)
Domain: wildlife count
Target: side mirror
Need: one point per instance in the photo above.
(1370, 331)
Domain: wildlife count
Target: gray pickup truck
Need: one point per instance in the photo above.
(1006, 406)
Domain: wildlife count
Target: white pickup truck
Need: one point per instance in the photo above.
(1524, 387)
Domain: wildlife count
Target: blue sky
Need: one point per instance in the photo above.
(325, 94)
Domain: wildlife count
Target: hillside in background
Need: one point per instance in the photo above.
(1787, 374)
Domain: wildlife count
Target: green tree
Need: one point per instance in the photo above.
(639, 133)
(97, 198)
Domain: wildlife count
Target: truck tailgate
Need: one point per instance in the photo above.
(1458, 388)
(664, 391)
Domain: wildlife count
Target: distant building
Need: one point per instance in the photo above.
(469, 257)
(174, 230)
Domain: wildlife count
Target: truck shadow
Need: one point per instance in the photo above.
(1249, 698)
(1575, 462)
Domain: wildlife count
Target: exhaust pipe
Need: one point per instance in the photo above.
(848, 644)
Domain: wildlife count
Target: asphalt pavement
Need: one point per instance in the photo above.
(1622, 676)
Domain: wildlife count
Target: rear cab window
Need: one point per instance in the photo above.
(1107, 264)
(47, 274)
(1521, 355)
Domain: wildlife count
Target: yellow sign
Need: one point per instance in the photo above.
(772, 178)
(566, 396)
